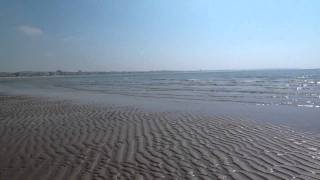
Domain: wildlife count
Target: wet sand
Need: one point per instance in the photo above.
(43, 138)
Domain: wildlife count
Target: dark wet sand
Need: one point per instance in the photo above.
(49, 139)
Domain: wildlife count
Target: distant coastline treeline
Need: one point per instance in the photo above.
(43, 73)
(67, 73)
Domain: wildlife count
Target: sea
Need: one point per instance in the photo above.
(299, 88)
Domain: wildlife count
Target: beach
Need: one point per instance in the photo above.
(48, 138)
(159, 90)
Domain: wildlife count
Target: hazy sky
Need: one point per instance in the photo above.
(158, 34)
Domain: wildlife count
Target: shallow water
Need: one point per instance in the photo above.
(300, 88)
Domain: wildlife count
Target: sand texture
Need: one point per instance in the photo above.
(50, 139)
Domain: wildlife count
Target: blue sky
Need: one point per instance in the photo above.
(130, 35)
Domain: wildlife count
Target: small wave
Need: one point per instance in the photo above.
(301, 77)
(305, 105)
(308, 105)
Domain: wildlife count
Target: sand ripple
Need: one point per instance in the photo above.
(49, 139)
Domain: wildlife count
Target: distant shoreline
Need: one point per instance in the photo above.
(77, 73)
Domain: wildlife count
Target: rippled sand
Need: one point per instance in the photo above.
(50, 139)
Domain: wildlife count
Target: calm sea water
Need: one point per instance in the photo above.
(300, 88)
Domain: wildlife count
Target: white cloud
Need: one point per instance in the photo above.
(30, 30)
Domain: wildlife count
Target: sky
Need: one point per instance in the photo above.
(143, 35)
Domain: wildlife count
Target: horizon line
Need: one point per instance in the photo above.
(163, 70)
